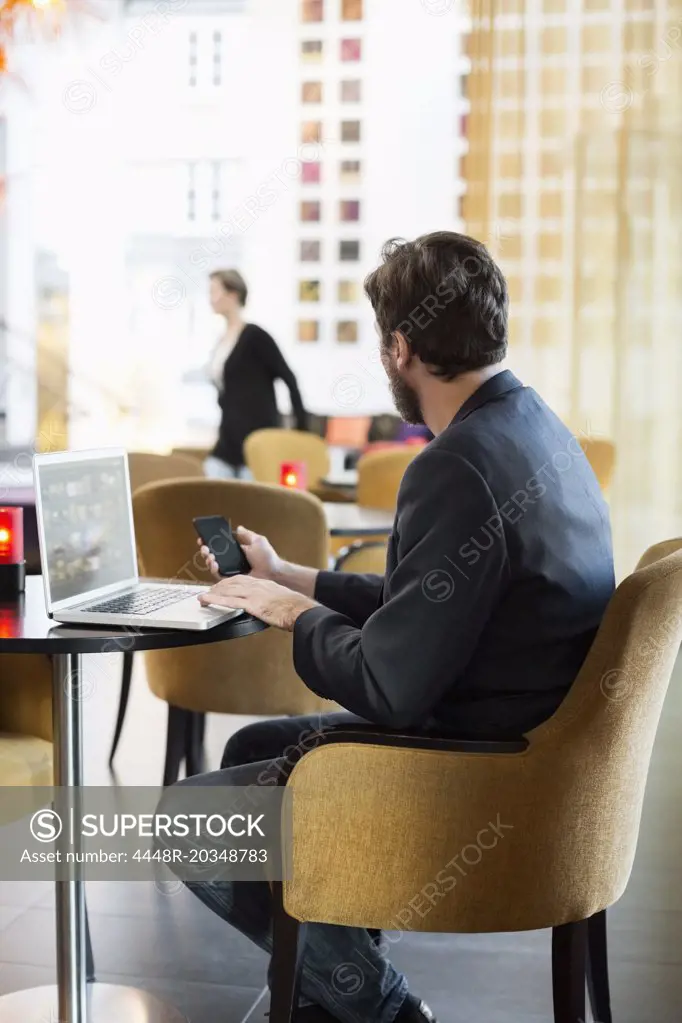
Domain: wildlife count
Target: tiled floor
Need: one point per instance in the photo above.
(172, 946)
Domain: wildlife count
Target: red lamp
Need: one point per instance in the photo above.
(12, 564)
(293, 475)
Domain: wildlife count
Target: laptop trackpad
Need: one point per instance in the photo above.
(191, 610)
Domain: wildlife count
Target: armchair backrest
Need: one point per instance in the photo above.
(147, 467)
(254, 675)
(265, 450)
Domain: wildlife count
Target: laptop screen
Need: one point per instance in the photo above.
(89, 541)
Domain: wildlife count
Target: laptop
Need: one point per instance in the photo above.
(88, 553)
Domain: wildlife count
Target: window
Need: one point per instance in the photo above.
(311, 131)
(309, 291)
(351, 90)
(216, 191)
(347, 330)
(551, 204)
(351, 10)
(350, 132)
(348, 291)
(552, 40)
(311, 51)
(351, 49)
(349, 171)
(310, 212)
(550, 246)
(311, 172)
(597, 38)
(217, 58)
(312, 10)
(191, 191)
(309, 251)
(349, 210)
(192, 59)
(311, 92)
(308, 330)
(349, 251)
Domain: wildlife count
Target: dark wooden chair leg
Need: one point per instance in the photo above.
(195, 759)
(122, 702)
(569, 963)
(288, 944)
(598, 968)
(176, 743)
(89, 958)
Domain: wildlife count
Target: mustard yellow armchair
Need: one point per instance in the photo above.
(601, 454)
(363, 556)
(403, 833)
(25, 720)
(265, 450)
(250, 676)
(380, 474)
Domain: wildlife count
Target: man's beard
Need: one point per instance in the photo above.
(405, 398)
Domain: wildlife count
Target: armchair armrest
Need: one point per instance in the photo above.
(381, 817)
(375, 736)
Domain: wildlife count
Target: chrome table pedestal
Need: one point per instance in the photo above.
(74, 1000)
(102, 1003)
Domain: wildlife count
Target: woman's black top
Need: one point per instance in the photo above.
(247, 399)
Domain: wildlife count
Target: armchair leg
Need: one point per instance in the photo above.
(89, 958)
(288, 943)
(175, 744)
(122, 702)
(569, 963)
(598, 968)
(194, 738)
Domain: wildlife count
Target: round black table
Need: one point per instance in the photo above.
(356, 520)
(26, 629)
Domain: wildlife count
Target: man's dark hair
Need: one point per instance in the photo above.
(449, 298)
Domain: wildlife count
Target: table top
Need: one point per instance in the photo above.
(347, 478)
(354, 520)
(26, 629)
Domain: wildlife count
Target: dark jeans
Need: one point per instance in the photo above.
(344, 970)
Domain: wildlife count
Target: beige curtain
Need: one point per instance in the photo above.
(574, 177)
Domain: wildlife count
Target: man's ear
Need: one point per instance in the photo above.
(403, 350)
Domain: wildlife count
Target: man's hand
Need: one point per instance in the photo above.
(264, 560)
(273, 604)
(266, 564)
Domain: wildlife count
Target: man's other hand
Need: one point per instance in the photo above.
(273, 604)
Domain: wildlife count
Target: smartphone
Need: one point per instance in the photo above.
(216, 533)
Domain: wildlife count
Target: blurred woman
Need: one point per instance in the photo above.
(244, 366)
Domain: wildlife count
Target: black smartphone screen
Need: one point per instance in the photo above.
(216, 532)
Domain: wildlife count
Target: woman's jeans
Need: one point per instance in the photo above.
(216, 469)
(344, 970)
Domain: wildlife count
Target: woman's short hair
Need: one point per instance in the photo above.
(232, 280)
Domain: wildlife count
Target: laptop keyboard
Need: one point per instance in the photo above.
(143, 602)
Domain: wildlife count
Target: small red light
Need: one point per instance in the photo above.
(293, 475)
(11, 536)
